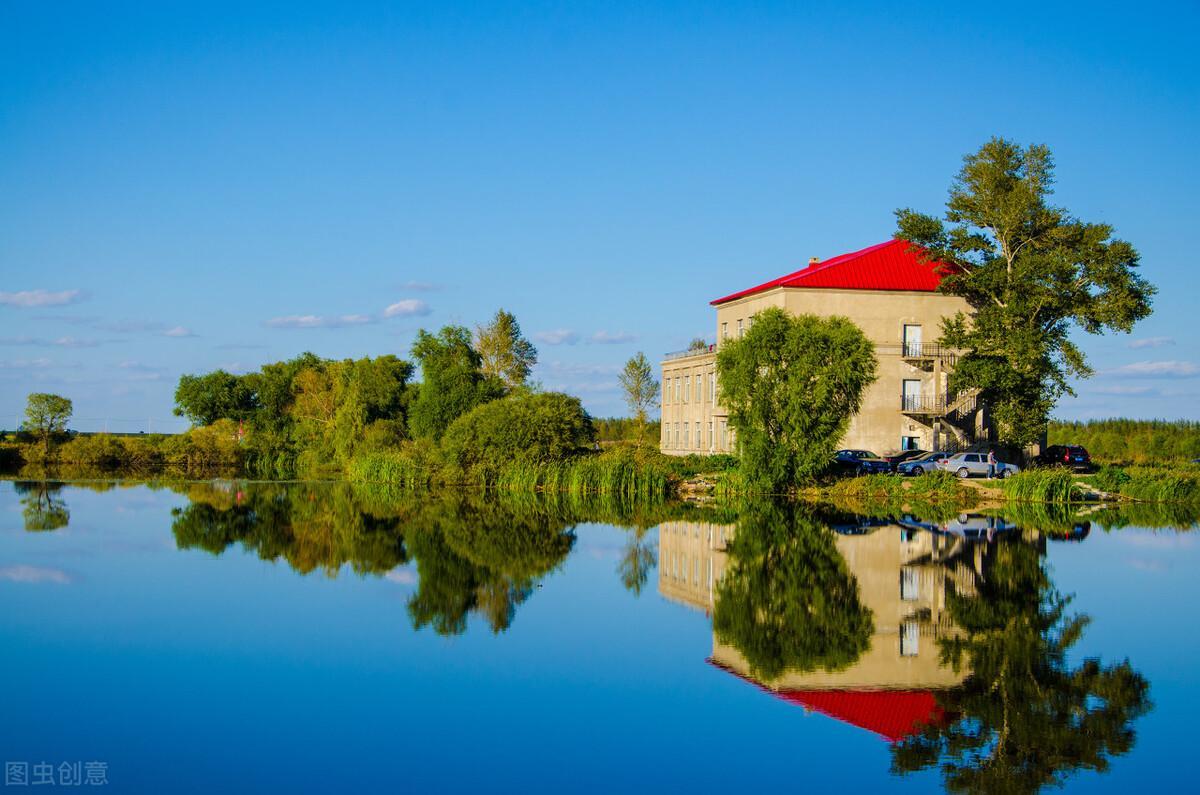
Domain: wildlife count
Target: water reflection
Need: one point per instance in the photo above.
(945, 637)
(42, 505)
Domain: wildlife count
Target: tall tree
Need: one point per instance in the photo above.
(640, 388)
(46, 416)
(1031, 273)
(453, 381)
(791, 385)
(503, 352)
(204, 399)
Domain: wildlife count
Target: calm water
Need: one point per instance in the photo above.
(231, 637)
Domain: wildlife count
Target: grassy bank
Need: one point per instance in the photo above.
(619, 470)
(1180, 484)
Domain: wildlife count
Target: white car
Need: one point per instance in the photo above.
(967, 464)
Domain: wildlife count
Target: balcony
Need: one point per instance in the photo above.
(689, 352)
(923, 352)
(939, 405)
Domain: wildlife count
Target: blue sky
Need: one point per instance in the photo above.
(215, 187)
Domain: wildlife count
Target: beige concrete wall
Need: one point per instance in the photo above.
(880, 426)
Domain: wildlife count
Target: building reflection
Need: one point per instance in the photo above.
(904, 570)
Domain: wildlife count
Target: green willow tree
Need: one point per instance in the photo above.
(787, 600)
(453, 380)
(1031, 274)
(791, 385)
(1026, 716)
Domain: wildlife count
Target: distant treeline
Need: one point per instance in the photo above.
(1131, 441)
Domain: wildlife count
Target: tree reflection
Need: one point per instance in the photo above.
(1026, 717)
(637, 559)
(474, 554)
(42, 505)
(787, 600)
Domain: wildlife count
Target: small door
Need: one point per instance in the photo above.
(912, 340)
(912, 394)
(910, 442)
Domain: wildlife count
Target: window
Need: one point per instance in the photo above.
(687, 387)
(910, 443)
(699, 378)
(712, 387)
(910, 636)
(909, 584)
(912, 394)
(698, 444)
(740, 330)
(677, 434)
(686, 428)
(666, 385)
(724, 331)
(912, 340)
(710, 435)
(677, 382)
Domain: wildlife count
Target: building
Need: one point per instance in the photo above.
(892, 296)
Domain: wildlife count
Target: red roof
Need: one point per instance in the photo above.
(892, 714)
(894, 265)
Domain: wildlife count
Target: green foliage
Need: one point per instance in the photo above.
(522, 428)
(787, 601)
(46, 416)
(791, 385)
(504, 354)
(640, 390)
(1122, 441)
(1027, 714)
(1150, 484)
(624, 429)
(927, 494)
(204, 399)
(454, 381)
(42, 505)
(1043, 485)
(1031, 274)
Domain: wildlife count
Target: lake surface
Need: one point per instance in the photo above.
(217, 637)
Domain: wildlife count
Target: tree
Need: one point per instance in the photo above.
(539, 428)
(503, 352)
(641, 391)
(46, 416)
(204, 399)
(788, 601)
(1031, 273)
(791, 385)
(453, 380)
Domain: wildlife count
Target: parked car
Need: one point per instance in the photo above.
(926, 462)
(859, 462)
(1066, 455)
(895, 459)
(966, 464)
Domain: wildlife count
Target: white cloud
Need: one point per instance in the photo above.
(409, 307)
(26, 364)
(570, 368)
(35, 298)
(34, 574)
(179, 331)
(401, 576)
(560, 336)
(1122, 389)
(141, 372)
(1150, 369)
(612, 338)
(61, 342)
(1151, 342)
(318, 321)
(420, 287)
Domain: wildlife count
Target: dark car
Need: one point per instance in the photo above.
(927, 462)
(859, 462)
(895, 459)
(1066, 455)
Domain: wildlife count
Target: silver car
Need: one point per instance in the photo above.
(966, 464)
